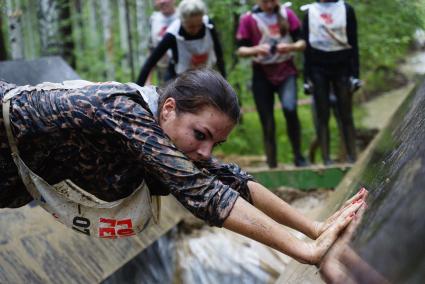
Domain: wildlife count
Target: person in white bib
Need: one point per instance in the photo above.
(332, 63)
(192, 41)
(97, 155)
(159, 21)
(270, 34)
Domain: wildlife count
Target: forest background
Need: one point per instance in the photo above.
(107, 40)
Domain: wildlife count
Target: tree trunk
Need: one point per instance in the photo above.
(124, 36)
(130, 41)
(28, 25)
(105, 8)
(142, 31)
(3, 53)
(78, 31)
(65, 29)
(48, 29)
(93, 27)
(15, 33)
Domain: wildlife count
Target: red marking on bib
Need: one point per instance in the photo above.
(199, 60)
(162, 31)
(115, 228)
(327, 18)
(274, 29)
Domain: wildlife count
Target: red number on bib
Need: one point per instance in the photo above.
(128, 230)
(115, 228)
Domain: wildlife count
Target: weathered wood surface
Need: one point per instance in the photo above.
(34, 248)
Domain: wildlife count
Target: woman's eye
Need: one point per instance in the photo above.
(199, 135)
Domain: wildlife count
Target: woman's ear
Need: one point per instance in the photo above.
(168, 109)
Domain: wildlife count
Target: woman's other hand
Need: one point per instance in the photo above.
(318, 248)
(321, 227)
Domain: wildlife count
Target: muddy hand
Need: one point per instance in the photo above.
(320, 246)
(358, 197)
(361, 195)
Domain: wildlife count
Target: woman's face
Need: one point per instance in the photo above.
(193, 24)
(268, 6)
(195, 134)
(165, 6)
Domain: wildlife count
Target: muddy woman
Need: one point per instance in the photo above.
(93, 154)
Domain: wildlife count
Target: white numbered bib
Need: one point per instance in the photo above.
(327, 24)
(194, 54)
(159, 24)
(270, 34)
(76, 208)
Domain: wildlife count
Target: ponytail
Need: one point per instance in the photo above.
(282, 22)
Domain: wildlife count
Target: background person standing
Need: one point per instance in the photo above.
(159, 22)
(192, 40)
(332, 61)
(270, 33)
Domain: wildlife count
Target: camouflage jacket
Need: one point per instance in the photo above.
(106, 140)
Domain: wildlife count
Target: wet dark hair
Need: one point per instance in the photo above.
(282, 22)
(198, 88)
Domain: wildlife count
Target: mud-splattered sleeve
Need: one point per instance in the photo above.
(200, 192)
(229, 174)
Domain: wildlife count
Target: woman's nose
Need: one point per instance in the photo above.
(205, 150)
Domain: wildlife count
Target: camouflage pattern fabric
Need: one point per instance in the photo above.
(105, 139)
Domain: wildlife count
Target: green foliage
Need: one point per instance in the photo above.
(385, 34)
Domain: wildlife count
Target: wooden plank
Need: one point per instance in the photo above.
(35, 248)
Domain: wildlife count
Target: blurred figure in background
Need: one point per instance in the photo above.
(193, 42)
(159, 22)
(332, 62)
(270, 33)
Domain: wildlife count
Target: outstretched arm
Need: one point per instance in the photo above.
(280, 211)
(247, 220)
(283, 213)
(267, 202)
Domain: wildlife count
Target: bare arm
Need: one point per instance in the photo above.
(283, 213)
(299, 45)
(280, 211)
(257, 50)
(247, 220)
(264, 49)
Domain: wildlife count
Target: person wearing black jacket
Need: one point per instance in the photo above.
(193, 42)
(332, 61)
